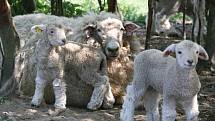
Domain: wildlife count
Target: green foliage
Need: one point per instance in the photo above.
(130, 13)
(71, 9)
(3, 100)
(43, 6)
(178, 16)
(16, 7)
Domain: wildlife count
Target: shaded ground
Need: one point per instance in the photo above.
(19, 109)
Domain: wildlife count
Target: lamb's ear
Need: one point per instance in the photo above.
(130, 27)
(68, 31)
(38, 28)
(202, 53)
(170, 49)
(89, 30)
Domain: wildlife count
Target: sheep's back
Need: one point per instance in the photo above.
(151, 66)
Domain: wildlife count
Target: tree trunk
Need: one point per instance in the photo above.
(151, 8)
(29, 5)
(57, 7)
(210, 38)
(10, 42)
(112, 6)
(101, 6)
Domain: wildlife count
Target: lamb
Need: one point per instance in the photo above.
(157, 73)
(93, 29)
(53, 55)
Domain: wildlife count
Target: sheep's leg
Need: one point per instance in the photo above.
(168, 112)
(39, 91)
(151, 103)
(60, 93)
(59, 88)
(100, 88)
(108, 98)
(191, 108)
(133, 96)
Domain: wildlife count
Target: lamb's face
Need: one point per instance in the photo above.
(110, 32)
(56, 35)
(187, 53)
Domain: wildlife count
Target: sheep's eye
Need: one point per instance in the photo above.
(51, 32)
(99, 30)
(179, 52)
(197, 52)
(122, 29)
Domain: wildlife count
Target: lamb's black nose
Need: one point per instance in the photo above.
(63, 40)
(190, 62)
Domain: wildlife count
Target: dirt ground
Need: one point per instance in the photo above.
(19, 109)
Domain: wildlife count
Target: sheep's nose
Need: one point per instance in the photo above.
(190, 61)
(113, 50)
(63, 40)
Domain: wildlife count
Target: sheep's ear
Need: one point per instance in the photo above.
(130, 27)
(202, 53)
(89, 30)
(170, 49)
(38, 28)
(68, 31)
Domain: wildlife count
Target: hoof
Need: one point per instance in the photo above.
(35, 106)
(56, 111)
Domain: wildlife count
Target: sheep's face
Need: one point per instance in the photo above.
(110, 31)
(187, 53)
(56, 34)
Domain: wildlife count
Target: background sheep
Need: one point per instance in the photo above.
(176, 79)
(88, 65)
(194, 8)
(96, 29)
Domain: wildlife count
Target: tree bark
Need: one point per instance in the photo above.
(29, 5)
(10, 43)
(112, 6)
(57, 7)
(210, 38)
(101, 6)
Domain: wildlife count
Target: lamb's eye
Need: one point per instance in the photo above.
(99, 30)
(197, 52)
(179, 52)
(51, 32)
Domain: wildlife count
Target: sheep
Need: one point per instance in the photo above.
(53, 55)
(195, 9)
(85, 30)
(157, 73)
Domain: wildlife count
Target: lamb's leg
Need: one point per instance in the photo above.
(100, 88)
(133, 96)
(191, 108)
(151, 103)
(108, 98)
(39, 91)
(59, 88)
(60, 93)
(168, 112)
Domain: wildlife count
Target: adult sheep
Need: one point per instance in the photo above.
(104, 29)
(157, 73)
(119, 65)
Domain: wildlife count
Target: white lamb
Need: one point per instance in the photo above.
(54, 56)
(157, 73)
